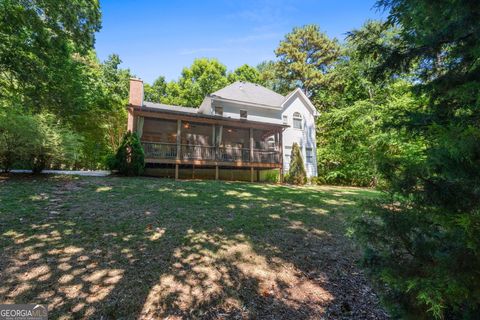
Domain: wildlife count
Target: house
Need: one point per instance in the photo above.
(243, 128)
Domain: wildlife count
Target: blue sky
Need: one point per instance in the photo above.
(161, 37)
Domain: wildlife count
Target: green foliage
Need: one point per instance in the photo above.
(305, 55)
(355, 113)
(156, 92)
(41, 37)
(129, 159)
(296, 173)
(48, 66)
(37, 142)
(424, 243)
(245, 73)
(203, 77)
(17, 138)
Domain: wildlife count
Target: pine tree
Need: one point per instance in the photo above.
(305, 55)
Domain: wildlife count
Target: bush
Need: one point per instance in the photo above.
(36, 142)
(297, 173)
(130, 158)
(18, 136)
(55, 146)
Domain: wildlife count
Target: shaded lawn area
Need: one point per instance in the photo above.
(152, 248)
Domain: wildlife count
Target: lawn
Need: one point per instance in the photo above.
(153, 248)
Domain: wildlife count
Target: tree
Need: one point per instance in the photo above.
(203, 77)
(130, 158)
(36, 142)
(269, 78)
(353, 125)
(17, 138)
(305, 56)
(296, 173)
(244, 73)
(156, 92)
(424, 241)
(41, 36)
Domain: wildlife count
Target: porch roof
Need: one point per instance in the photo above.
(168, 107)
(190, 114)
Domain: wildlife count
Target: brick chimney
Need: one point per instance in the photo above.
(136, 92)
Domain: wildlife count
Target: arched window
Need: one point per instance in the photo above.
(297, 120)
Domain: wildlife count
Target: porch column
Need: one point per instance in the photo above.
(179, 133)
(179, 138)
(251, 155)
(251, 144)
(280, 142)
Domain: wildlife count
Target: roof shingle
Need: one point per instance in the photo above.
(250, 93)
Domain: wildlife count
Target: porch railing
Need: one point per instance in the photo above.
(160, 150)
(197, 152)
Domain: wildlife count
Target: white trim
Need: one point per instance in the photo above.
(302, 95)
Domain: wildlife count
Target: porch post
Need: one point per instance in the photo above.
(219, 142)
(179, 132)
(216, 172)
(251, 155)
(213, 135)
(179, 138)
(280, 142)
(251, 144)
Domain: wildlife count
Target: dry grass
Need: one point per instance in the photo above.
(154, 249)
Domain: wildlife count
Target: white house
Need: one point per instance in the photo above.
(258, 103)
(242, 126)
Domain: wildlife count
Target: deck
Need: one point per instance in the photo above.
(156, 152)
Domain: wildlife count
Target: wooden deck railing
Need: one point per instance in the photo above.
(197, 152)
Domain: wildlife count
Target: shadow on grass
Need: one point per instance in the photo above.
(151, 248)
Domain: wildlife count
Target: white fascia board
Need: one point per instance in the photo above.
(302, 95)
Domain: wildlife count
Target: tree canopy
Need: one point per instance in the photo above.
(305, 56)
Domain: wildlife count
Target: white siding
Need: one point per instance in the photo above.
(232, 110)
(305, 137)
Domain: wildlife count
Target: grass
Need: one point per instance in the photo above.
(152, 248)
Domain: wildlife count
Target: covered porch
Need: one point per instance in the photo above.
(208, 141)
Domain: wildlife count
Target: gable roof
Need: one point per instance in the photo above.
(242, 92)
(299, 92)
(250, 93)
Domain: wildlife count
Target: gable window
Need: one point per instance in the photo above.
(297, 120)
(285, 119)
(243, 114)
(219, 111)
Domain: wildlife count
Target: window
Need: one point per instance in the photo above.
(309, 152)
(219, 111)
(297, 120)
(285, 119)
(243, 114)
